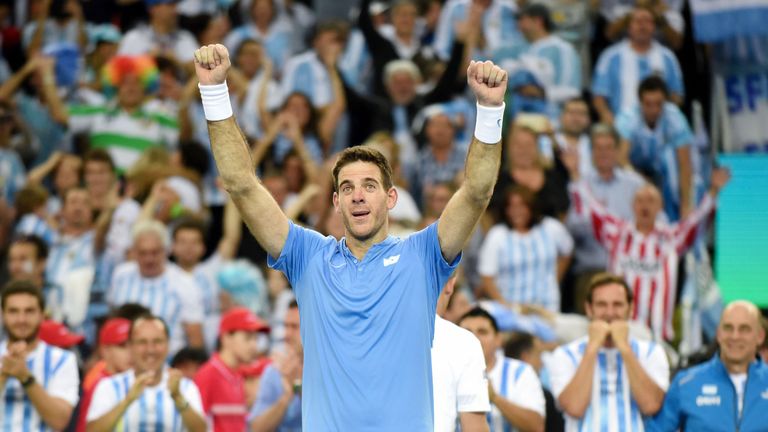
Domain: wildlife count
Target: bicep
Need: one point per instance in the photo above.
(473, 421)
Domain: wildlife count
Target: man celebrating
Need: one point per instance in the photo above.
(608, 381)
(39, 382)
(729, 392)
(367, 301)
(148, 394)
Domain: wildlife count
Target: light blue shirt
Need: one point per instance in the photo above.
(270, 390)
(367, 328)
(13, 176)
(499, 25)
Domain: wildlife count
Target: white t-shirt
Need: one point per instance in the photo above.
(739, 382)
(144, 40)
(173, 296)
(55, 370)
(518, 383)
(458, 374)
(153, 410)
(610, 385)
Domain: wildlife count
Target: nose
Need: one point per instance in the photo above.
(358, 196)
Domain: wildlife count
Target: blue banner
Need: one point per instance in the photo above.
(717, 20)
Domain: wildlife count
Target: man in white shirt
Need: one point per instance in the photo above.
(39, 382)
(154, 282)
(514, 389)
(459, 386)
(150, 394)
(161, 36)
(608, 381)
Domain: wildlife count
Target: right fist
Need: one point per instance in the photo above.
(598, 332)
(211, 64)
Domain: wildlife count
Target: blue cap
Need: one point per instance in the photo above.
(104, 33)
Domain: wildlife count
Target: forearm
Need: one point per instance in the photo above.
(616, 28)
(673, 37)
(271, 418)
(686, 176)
(646, 393)
(521, 419)
(473, 421)
(108, 421)
(576, 396)
(36, 41)
(603, 110)
(491, 290)
(53, 101)
(232, 231)
(10, 86)
(194, 332)
(562, 266)
(54, 411)
(192, 420)
(333, 112)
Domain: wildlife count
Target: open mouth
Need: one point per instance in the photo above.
(359, 214)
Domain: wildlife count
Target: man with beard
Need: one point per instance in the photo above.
(40, 382)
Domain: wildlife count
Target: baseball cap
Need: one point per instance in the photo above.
(57, 334)
(537, 10)
(241, 319)
(115, 332)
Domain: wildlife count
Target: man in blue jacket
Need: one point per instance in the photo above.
(730, 391)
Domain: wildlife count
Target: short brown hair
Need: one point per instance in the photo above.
(190, 223)
(99, 155)
(21, 286)
(30, 198)
(603, 279)
(362, 154)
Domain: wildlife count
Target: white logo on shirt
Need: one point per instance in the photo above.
(709, 389)
(707, 400)
(391, 260)
(764, 394)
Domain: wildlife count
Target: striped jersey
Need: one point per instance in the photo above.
(648, 262)
(153, 411)
(517, 382)
(13, 176)
(173, 296)
(524, 265)
(124, 135)
(278, 40)
(499, 25)
(612, 408)
(620, 69)
(55, 370)
(33, 224)
(654, 150)
(305, 73)
(69, 253)
(205, 276)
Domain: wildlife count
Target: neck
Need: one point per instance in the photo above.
(405, 36)
(229, 359)
(188, 267)
(360, 247)
(31, 345)
(644, 227)
(640, 46)
(441, 151)
(74, 230)
(605, 173)
(490, 362)
(537, 36)
(262, 25)
(162, 28)
(735, 367)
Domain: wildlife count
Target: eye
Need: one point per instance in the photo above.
(346, 189)
(370, 187)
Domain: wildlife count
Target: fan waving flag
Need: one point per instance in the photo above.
(716, 20)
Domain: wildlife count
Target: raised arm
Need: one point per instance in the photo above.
(232, 153)
(488, 82)
(684, 232)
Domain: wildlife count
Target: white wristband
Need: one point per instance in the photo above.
(216, 103)
(488, 124)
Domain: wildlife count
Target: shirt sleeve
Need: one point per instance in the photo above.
(563, 240)
(655, 364)
(670, 416)
(427, 245)
(299, 247)
(601, 80)
(527, 391)
(679, 133)
(65, 382)
(561, 370)
(488, 260)
(472, 389)
(104, 399)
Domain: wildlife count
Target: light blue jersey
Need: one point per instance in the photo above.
(33, 224)
(620, 70)
(499, 25)
(12, 175)
(278, 40)
(367, 328)
(654, 150)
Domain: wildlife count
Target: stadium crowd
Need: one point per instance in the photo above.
(135, 298)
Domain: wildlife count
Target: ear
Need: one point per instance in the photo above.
(336, 202)
(588, 309)
(391, 198)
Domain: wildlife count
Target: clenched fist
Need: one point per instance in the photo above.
(211, 64)
(488, 82)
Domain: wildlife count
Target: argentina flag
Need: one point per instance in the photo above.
(715, 20)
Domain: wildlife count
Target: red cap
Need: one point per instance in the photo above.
(241, 319)
(254, 369)
(57, 334)
(114, 332)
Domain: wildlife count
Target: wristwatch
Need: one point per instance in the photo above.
(28, 381)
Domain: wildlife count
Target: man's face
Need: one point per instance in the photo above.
(483, 330)
(527, 26)
(327, 40)
(641, 26)
(250, 57)
(262, 10)
(76, 211)
(99, 177)
(609, 303)
(604, 152)
(739, 334)
(22, 316)
(292, 325)
(67, 173)
(244, 345)
(164, 13)
(188, 247)
(575, 118)
(150, 255)
(130, 92)
(404, 18)
(23, 262)
(402, 88)
(652, 106)
(362, 200)
(148, 345)
(647, 205)
(117, 357)
(439, 131)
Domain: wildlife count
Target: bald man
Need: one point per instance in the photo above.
(644, 251)
(730, 391)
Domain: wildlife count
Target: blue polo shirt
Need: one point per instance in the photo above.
(367, 329)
